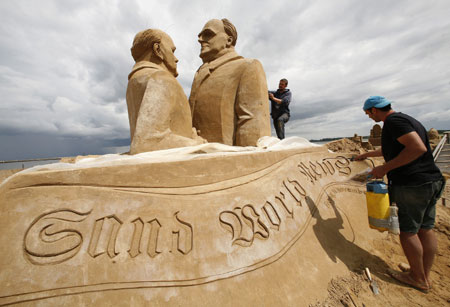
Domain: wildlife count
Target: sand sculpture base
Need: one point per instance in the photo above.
(252, 227)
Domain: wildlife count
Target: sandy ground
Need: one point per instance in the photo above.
(353, 289)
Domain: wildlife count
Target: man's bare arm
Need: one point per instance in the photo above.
(277, 100)
(414, 148)
(373, 153)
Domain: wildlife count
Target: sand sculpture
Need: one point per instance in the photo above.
(434, 138)
(161, 228)
(375, 135)
(158, 108)
(186, 226)
(357, 138)
(349, 145)
(229, 93)
(433, 134)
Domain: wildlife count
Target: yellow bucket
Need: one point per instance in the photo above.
(377, 198)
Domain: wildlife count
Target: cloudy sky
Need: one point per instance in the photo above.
(64, 64)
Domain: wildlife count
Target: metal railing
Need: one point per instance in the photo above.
(26, 163)
(29, 160)
(439, 147)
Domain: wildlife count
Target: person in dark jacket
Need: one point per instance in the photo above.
(280, 100)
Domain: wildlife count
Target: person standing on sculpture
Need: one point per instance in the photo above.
(229, 93)
(158, 108)
(415, 184)
(280, 100)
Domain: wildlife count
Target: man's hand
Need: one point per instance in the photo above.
(270, 96)
(359, 157)
(379, 171)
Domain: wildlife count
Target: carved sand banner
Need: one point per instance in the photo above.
(159, 224)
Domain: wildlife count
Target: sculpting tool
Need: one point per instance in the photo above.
(373, 283)
(362, 176)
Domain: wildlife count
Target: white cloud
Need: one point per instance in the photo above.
(64, 64)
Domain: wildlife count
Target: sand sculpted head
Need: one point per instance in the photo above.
(216, 38)
(143, 42)
(155, 46)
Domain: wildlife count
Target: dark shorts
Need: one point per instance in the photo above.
(417, 204)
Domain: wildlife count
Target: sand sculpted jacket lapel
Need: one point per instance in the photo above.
(206, 70)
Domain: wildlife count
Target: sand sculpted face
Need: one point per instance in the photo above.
(214, 40)
(167, 49)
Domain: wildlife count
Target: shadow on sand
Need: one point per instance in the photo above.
(338, 247)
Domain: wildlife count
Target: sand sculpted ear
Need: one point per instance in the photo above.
(229, 41)
(157, 50)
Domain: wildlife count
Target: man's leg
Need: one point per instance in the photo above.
(414, 252)
(426, 234)
(277, 128)
(280, 131)
(416, 216)
(429, 245)
(280, 121)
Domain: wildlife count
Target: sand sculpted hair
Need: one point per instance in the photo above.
(230, 30)
(144, 41)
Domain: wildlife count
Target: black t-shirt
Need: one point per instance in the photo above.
(417, 172)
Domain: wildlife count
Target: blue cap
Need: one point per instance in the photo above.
(375, 102)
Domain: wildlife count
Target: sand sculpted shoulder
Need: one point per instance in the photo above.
(229, 101)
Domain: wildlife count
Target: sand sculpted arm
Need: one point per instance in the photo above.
(154, 123)
(251, 107)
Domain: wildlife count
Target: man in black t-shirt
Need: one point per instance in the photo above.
(415, 184)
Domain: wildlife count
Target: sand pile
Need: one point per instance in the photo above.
(434, 138)
(347, 145)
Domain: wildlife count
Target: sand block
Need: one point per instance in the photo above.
(182, 227)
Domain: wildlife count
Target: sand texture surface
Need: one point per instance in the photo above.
(209, 226)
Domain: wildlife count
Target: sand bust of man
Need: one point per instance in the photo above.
(229, 93)
(158, 109)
